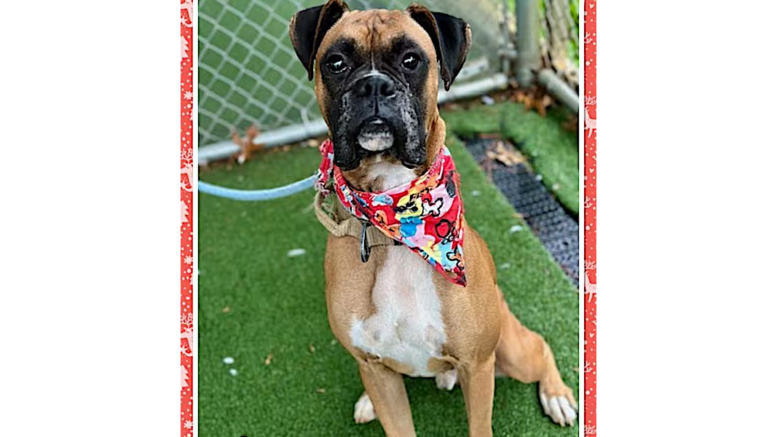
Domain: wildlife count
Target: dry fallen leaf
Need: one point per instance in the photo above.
(225, 310)
(505, 154)
(246, 144)
(519, 96)
(544, 103)
(535, 99)
(312, 348)
(321, 390)
(268, 360)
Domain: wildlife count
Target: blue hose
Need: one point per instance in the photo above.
(252, 195)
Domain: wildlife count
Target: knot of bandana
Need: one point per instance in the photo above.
(425, 214)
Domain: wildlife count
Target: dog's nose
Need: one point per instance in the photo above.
(377, 84)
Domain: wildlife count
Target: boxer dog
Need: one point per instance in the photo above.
(405, 307)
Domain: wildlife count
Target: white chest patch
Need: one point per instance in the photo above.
(407, 325)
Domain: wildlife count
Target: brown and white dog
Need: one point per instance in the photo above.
(376, 79)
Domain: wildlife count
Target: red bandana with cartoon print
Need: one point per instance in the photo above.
(424, 214)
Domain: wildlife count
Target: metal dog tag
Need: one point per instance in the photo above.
(364, 246)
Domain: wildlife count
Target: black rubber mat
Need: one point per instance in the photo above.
(546, 217)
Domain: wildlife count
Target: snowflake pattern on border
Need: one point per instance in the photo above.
(187, 190)
(589, 217)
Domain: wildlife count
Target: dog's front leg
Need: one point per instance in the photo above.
(387, 392)
(477, 383)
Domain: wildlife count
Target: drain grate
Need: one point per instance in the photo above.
(557, 231)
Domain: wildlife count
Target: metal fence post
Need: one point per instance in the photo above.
(527, 40)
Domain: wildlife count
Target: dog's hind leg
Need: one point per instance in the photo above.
(524, 355)
(446, 380)
(363, 410)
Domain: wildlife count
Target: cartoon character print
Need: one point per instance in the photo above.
(432, 208)
(424, 215)
(454, 256)
(451, 257)
(451, 181)
(383, 199)
(440, 202)
(432, 252)
(456, 260)
(347, 197)
(380, 218)
(381, 222)
(409, 211)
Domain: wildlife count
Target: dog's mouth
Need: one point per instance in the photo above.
(375, 135)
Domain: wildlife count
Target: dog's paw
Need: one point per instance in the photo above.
(559, 403)
(363, 411)
(446, 380)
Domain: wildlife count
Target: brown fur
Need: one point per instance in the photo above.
(375, 29)
(482, 334)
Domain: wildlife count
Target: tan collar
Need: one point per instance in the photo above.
(341, 224)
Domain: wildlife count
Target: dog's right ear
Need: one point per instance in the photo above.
(308, 27)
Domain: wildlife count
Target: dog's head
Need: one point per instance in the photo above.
(377, 75)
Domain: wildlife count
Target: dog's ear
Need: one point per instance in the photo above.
(308, 27)
(451, 37)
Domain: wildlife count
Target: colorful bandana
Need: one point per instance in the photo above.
(424, 214)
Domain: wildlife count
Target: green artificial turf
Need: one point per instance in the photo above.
(552, 150)
(254, 301)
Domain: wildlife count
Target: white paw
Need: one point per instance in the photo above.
(446, 380)
(560, 409)
(363, 411)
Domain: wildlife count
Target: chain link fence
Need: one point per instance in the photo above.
(249, 73)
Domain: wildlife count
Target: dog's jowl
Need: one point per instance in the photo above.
(425, 302)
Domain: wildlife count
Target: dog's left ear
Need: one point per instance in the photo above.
(308, 27)
(451, 37)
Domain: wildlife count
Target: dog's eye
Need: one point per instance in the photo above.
(336, 64)
(410, 61)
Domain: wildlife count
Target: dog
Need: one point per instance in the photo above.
(376, 75)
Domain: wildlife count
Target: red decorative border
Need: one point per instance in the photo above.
(187, 219)
(589, 215)
(187, 189)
